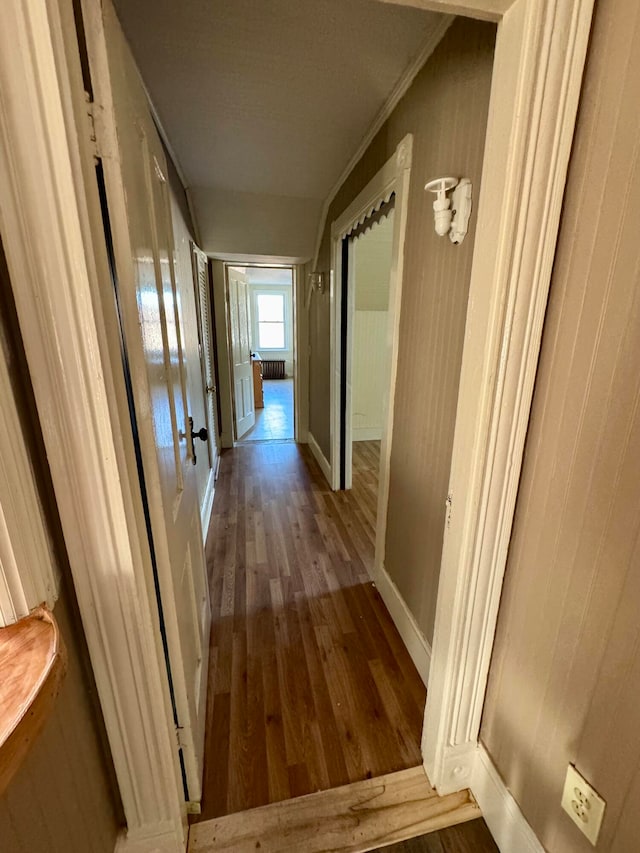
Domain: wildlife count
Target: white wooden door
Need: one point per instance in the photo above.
(207, 355)
(239, 320)
(156, 322)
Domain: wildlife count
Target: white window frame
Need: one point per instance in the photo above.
(262, 290)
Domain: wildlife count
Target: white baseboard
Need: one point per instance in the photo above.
(413, 638)
(320, 458)
(168, 841)
(207, 503)
(507, 824)
(366, 434)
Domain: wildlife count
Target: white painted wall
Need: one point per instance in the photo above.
(371, 270)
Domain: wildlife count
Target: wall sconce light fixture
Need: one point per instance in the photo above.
(316, 281)
(451, 215)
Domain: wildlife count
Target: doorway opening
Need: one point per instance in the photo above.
(262, 343)
(367, 254)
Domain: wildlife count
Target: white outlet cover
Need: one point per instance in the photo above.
(583, 804)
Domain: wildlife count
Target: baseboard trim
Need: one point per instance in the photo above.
(320, 458)
(172, 840)
(207, 503)
(507, 824)
(404, 620)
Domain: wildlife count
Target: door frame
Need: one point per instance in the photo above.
(46, 219)
(198, 257)
(232, 372)
(539, 61)
(394, 177)
(223, 327)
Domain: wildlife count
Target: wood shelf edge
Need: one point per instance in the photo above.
(32, 665)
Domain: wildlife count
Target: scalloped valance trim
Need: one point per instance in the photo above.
(375, 214)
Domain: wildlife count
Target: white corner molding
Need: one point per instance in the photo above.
(320, 458)
(404, 620)
(507, 824)
(539, 60)
(49, 220)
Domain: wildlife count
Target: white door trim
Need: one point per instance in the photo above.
(393, 177)
(59, 269)
(300, 356)
(540, 54)
(299, 342)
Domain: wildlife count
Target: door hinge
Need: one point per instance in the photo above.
(91, 119)
(180, 742)
(449, 505)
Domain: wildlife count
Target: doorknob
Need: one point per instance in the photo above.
(202, 434)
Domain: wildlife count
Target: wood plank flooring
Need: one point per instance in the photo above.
(352, 819)
(310, 686)
(365, 475)
(472, 837)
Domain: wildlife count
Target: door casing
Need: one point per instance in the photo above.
(224, 346)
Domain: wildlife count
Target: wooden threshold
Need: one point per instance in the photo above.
(352, 819)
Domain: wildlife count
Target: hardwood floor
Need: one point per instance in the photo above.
(310, 686)
(353, 818)
(275, 420)
(472, 837)
(365, 470)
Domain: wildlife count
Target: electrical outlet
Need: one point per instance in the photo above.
(583, 804)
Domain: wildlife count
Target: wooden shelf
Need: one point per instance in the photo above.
(32, 664)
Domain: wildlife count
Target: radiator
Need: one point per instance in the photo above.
(273, 368)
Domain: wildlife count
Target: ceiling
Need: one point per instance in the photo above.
(264, 102)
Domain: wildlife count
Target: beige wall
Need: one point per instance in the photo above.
(446, 111)
(240, 223)
(565, 677)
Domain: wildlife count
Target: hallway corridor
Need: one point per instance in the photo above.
(310, 686)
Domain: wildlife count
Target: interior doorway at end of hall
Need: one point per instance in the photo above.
(262, 338)
(368, 252)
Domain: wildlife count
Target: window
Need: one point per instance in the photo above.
(271, 326)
